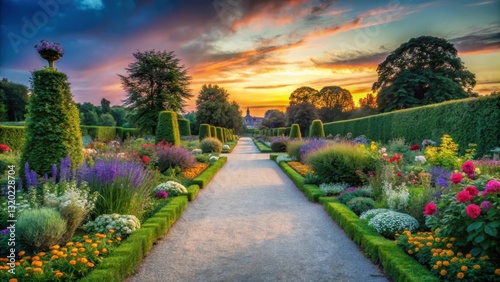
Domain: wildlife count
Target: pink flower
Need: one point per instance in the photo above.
(492, 187)
(468, 167)
(472, 190)
(473, 211)
(414, 147)
(430, 209)
(456, 178)
(464, 196)
(145, 159)
(161, 194)
(399, 174)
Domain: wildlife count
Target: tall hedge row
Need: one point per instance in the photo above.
(13, 136)
(295, 131)
(168, 128)
(219, 134)
(204, 131)
(184, 127)
(473, 120)
(213, 131)
(99, 133)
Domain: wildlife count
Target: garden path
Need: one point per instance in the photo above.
(252, 224)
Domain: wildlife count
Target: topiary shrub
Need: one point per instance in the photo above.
(361, 204)
(316, 130)
(168, 128)
(53, 123)
(213, 131)
(211, 145)
(171, 157)
(293, 148)
(352, 193)
(391, 222)
(220, 135)
(38, 229)
(295, 132)
(184, 127)
(279, 144)
(204, 131)
(340, 163)
(281, 131)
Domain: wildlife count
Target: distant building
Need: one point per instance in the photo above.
(252, 122)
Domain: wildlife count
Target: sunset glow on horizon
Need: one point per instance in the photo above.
(260, 51)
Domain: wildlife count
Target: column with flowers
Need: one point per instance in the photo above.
(53, 122)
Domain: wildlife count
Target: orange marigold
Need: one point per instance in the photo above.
(460, 275)
(301, 168)
(477, 266)
(72, 262)
(464, 268)
(443, 272)
(192, 172)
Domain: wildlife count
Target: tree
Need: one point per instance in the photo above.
(333, 103)
(213, 107)
(369, 102)
(15, 98)
(119, 113)
(303, 94)
(302, 114)
(107, 120)
(106, 109)
(424, 70)
(90, 118)
(155, 82)
(191, 116)
(274, 119)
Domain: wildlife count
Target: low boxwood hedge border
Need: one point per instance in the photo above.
(207, 175)
(311, 191)
(124, 259)
(263, 148)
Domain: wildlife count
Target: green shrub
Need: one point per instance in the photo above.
(213, 131)
(125, 133)
(53, 123)
(6, 160)
(339, 163)
(204, 131)
(295, 132)
(473, 120)
(99, 133)
(38, 229)
(361, 204)
(330, 189)
(293, 148)
(316, 130)
(351, 194)
(184, 127)
(13, 136)
(391, 222)
(211, 145)
(168, 128)
(279, 144)
(220, 135)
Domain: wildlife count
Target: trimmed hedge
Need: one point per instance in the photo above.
(263, 148)
(204, 131)
(311, 191)
(231, 145)
(220, 134)
(125, 133)
(316, 130)
(472, 120)
(124, 260)
(295, 131)
(100, 133)
(13, 136)
(184, 127)
(213, 131)
(193, 191)
(209, 173)
(168, 128)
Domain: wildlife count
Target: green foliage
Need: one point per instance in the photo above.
(474, 120)
(424, 70)
(361, 204)
(445, 155)
(213, 131)
(204, 178)
(316, 130)
(38, 229)
(210, 145)
(273, 119)
(194, 126)
(13, 136)
(155, 81)
(349, 195)
(107, 120)
(334, 97)
(53, 123)
(168, 128)
(13, 100)
(125, 133)
(204, 131)
(301, 114)
(184, 127)
(90, 118)
(339, 163)
(304, 94)
(295, 132)
(293, 148)
(213, 107)
(100, 133)
(220, 135)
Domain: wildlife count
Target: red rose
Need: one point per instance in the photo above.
(4, 148)
(464, 196)
(468, 167)
(145, 159)
(456, 178)
(414, 147)
(472, 190)
(430, 209)
(473, 211)
(399, 174)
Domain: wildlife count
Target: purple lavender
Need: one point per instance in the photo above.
(107, 171)
(64, 169)
(440, 176)
(54, 172)
(27, 174)
(311, 146)
(50, 46)
(5, 231)
(34, 178)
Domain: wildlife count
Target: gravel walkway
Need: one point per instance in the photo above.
(252, 224)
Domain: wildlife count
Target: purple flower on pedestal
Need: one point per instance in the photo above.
(50, 51)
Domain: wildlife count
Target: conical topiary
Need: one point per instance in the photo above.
(184, 127)
(295, 131)
(316, 130)
(168, 128)
(204, 131)
(213, 131)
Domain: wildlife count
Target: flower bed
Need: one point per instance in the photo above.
(301, 168)
(192, 172)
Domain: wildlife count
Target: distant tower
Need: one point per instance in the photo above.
(248, 111)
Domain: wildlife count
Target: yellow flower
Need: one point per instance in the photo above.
(35, 258)
(110, 241)
(417, 249)
(79, 244)
(90, 264)
(453, 239)
(450, 253)
(443, 272)
(477, 266)
(37, 269)
(460, 275)
(439, 262)
(12, 280)
(55, 247)
(96, 252)
(410, 252)
(69, 244)
(118, 239)
(54, 257)
(81, 250)
(446, 263)
(429, 244)
(85, 236)
(437, 239)
(74, 250)
(88, 241)
(83, 260)
(111, 231)
(484, 258)
(436, 266)
(64, 249)
(94, 245)
(435, 254)
(464, 268)
(460, 254)
(104, 250)
(59, 274)
(72, 262)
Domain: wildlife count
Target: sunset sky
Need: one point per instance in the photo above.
(259, 50)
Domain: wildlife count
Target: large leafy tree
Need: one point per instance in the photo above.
(333, 102)
(422, 71)
(214, 108)
(274, 119)
(155, 82)
(303, 94)
(302, 114)
(14, 97)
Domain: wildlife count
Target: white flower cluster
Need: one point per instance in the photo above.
(226, 147)
(369, 214)
(283, 158)
(123, 225)
(333, 188)
(420, 159)
(172, 188)
(213, 158)
(71, 196)
(197, 151)
(397, 197)
(390, 222)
